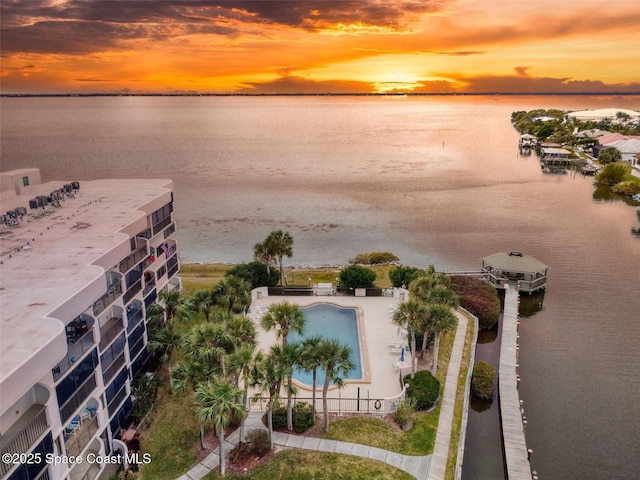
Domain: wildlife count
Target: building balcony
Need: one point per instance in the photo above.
(175, 284)
(170, 230)
(109, 371)
(86, 470)
(117, 401)
(78, 434)
(133, 290)
(158, 227)
(109, 331)
(114, 290)
(23, 434)
(75, 351)
(78, 398)
(135, 349)
(149, 283)
(133, 259)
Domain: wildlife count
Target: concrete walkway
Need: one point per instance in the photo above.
(447, 409)
(425, 467)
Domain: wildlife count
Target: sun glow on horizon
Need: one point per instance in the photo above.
(378, 45)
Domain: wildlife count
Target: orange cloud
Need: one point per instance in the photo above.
(311, 46)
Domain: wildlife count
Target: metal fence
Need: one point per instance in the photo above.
(336, 405)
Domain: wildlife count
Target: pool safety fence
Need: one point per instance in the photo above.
(336, 405)
(323, 291)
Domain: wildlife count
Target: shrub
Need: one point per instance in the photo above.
(279, 418)
(355, 276)
(424, 389)
(374, 258)
(612, 173)
(256, 274)
(627, 188)
(405, 412)
(480, 298)
(482, 380)
(404, 275)
(258, 440)
(302, 417)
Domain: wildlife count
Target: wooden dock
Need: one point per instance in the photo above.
(515, 447)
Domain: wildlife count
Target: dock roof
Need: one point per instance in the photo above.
(515, 262)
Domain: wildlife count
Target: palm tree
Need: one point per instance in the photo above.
(243, 362)
(175, 305)
(209, 343)
(311, 361)
(232, 289)
(163, 340)
(218, 401)
(432, 288)
(203, 301)
(285, 317)
(336, 360)
(262, 254)
(270, 375)
(411, 315)
(289, 356)
(442, 320)
(280, 244)
(241, 329)
(186, 376)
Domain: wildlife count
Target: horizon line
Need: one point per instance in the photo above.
(326, 94)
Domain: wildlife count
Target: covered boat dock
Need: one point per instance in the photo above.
(529, 273)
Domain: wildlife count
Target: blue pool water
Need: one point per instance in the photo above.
(330, 321)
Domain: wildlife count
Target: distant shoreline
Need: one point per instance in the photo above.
(407, 94)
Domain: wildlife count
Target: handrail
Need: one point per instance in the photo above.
(25, 439)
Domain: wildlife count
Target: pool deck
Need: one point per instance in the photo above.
(376, 330)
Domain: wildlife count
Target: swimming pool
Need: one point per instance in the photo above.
(330, 321)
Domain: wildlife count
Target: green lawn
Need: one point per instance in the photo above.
(200, 276)
(305, 465)
(172, 438)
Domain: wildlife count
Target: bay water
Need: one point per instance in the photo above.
(435, 180)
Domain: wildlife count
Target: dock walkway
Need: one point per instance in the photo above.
(515, 447)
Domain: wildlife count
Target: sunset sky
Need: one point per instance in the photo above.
(319, 46)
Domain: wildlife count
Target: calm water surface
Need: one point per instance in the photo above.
(434, 180)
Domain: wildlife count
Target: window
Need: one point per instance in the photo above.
(25, 181)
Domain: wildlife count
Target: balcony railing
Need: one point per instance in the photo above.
(44, 475)
(111, 370)
(169, 230)
(135, 288)
(150, 285)
(75, 351)
(133, 351)
(86, 470)
(78, 398)
(107, 299)
(109, 331)
(80, 438)
(117, 400)
(24, 440)
(134, 258)
(173, 269)
(161, 224)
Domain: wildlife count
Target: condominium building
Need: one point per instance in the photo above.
(80, 264)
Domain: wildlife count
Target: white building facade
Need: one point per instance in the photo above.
(80, 264)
